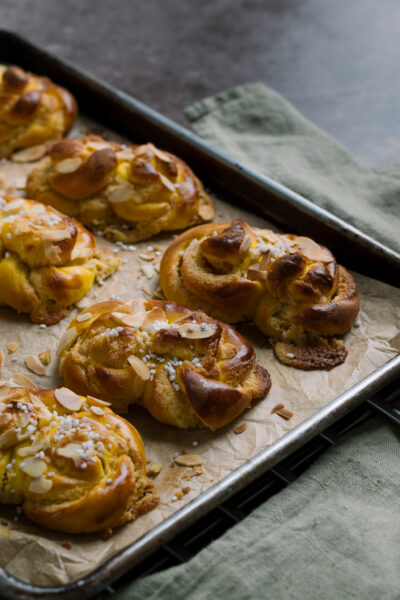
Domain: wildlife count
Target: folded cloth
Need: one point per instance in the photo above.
(335, 532)
(264, 131)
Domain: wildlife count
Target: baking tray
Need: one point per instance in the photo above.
(238, 184)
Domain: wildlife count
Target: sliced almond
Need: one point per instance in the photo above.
(122, 193)
(45, 357)
(29, 154)
(245, 245)
(23, 381)
(35, 467)
(41, 485)
(124, 154)
(284, 413)
(35, 365)
(14, 205)
(189, 460)
(148, 271)
(147, 255)
(71, 450)
(37, 446)
(85, 316)
(130, 320)
(98, 401)
(161, 155)
(66, 339)
(139, 367)
(6, 438)
(241, 428)
(97, 411)
(68, 165)
(167, 183)
(12, 347)
(256, 275)
(194, 331)
(81, 251)
(265, 261)
(68, 399)
(317, 254)
(97, 145)
(37, 209)
(206, 212)
(155, 314)
(83, 303)
(56, 235)
(146, 289)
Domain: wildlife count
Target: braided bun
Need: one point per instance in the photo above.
(72, 464)
(290, 286)
(48, 261)
(185, 368)
(129, 192)
(33, 110)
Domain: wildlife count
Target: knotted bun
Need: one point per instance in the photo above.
(185, 368)
(33, 110)
(70, 462)
(48, 261)
(290, 286)
(128, 192)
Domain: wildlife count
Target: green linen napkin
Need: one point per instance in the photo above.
(261, 129)
(335, 532)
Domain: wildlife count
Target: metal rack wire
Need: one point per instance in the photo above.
(217, 522)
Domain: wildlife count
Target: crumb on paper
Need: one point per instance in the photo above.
(154, 469)
(12, 347)
(45, 357)
(66, 544)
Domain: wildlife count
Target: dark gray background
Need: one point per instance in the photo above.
(336, 60)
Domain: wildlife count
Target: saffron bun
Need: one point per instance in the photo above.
(130, 193)
(288, 285)
(48, 261)
(186, 369)
(33, 110)
(71, 463)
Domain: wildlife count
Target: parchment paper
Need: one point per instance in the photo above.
(38, 556)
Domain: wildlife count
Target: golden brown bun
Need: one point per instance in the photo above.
(48, 261)
(290, 286)
(72, 464)
(33, 110)
(185, 368)
(130, 193)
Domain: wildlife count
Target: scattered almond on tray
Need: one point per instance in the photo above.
(283, 412)
(241, 428)
(35, 365)
(12, 347)
(188, 460)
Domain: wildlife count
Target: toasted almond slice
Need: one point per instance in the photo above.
(147, 255)
(45, 357)
(318, 254)
(167, 183)
(148, 271)
(162, 155)
(41, 485)
(97, 411)
(22, 381)
(4, 390)
(256, 275)
(154, 469)
(303, 242)
(83, 303)
(146, 289)
(37, 209)
(68, 165)
(29, 154)
(56, 235)
(189, 460)
(139, 367)
(122, 193)
(241, 428)
(196, 331)
(127, 319)
(98, 401)
(84, 316)
(14, 205)
(126, 154)
(35, 365)
(68, 399)
(81, 251)
(71, 450)
(265, 261)
(37, 446)
(66, 339)
(35, 467)
(245, 245)
(155, 314)
(6, 438)
(284, 413)
(12, 347)
(206, 212)
(97, 145)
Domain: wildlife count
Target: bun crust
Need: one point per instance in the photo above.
(290, 286)
(130, 193)
(48, 261)
(33, 110)
(70, 462)
(186, 369)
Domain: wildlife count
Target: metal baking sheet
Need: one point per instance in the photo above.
(232, 181)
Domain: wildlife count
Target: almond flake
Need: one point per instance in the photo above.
(56, 235)
(97, 411)
(97, 145)
(147, 256)
(98, 401)
(37, 446)
(122, 193)
(41, 485)
(35, 365)
(84, 317)
(83, 303)
(146, 289)
(68, 399)
(265, 261)
(148, 271)
(68, 165)
(130, 320)
(256, 275)
(34, 467)
(167, 183)
(188, 460)
(14, 205)
(206, 212)
(29, 154)
(6, 438)
(66, 339)
(241, 428)
(194, 331)
(139, 367)
(245, 245)
(81, 251)
(12, 347)
(45, 357)
(71, 450)
(155, 314)
(23, 381)
(283, 412)
(124, 154)
(317, 254)
(37, 209)
(161, 155)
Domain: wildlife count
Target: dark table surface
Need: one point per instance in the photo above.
(336, 60)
